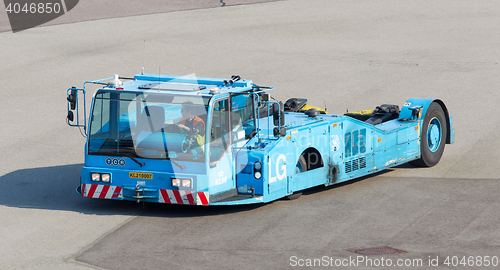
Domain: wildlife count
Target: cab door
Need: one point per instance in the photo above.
(242, 129)
(220, 157)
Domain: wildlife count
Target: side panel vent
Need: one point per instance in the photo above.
(362, 163)
(348, 167)
(355, 164)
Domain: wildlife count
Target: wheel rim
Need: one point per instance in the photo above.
(434, 132)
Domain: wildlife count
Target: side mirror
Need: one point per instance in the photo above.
(74, 110)
(278, 114)
(263, 97)
(70, 116)
(279, 131)
(72, 99)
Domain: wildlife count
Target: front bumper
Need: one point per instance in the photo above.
(141, 193)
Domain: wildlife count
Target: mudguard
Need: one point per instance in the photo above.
(420, 105)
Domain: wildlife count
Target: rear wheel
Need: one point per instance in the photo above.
(300, 167)
(433, 137)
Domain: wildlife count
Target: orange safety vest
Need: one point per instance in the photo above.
(200, 139)
(196, 120)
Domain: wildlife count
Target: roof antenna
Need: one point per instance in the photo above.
(326, 111)
(346, 110)
(143, 56)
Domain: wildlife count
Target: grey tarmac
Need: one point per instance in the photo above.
(358, 53)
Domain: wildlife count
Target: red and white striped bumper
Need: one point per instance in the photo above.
(164, 195)
(101, 191)
(183, 197)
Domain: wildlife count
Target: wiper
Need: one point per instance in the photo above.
(131, 156)
(177, 164)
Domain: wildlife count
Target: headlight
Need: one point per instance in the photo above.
(96, 177)
(106, 177)
(186, 183)
(176, 182)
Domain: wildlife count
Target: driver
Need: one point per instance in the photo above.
(191, 123)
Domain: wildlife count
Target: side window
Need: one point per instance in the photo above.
(355, 137)
(242, 116)
(355, 142)
(362, 140)
(219, 131)
(348, 144)
(100, 118)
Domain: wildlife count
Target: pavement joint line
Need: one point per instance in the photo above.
(456, 187)
(86, 264)
(427, 213)
(73, 259)
(148, 14)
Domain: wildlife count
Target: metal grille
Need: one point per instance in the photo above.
(348, 167)
(355, 164)
(362, 162)
(376, 251)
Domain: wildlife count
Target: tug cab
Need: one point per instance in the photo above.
(139, 147)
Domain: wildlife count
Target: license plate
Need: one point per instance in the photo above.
(140, 175)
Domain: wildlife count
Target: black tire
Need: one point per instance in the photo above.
(432, 141)
(294, 196)
(300, 167)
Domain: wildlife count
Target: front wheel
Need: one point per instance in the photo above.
(300, 167)
(433, 137)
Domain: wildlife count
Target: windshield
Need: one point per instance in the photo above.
(148, 125)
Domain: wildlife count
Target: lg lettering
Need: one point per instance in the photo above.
(280, 169)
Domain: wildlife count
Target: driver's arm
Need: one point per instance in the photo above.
(200, 128)
(181, 126)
